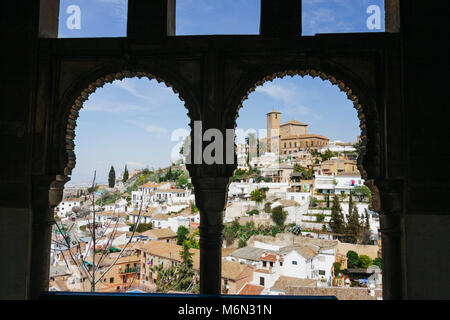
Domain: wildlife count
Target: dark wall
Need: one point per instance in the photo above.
(413, 176)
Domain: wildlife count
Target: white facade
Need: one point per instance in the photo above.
(171, 222)
(65, 207)
(336, 184)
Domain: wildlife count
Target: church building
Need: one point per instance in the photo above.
(291, 136)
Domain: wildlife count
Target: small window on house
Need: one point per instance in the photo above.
(264, 263)
(261, 281)
(111, 280)
(271, 264)
(322, 272)
(281, 263)
(294, 263)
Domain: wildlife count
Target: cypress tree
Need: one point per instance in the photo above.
(367, 222)
(112, 177)
(350, 204)
(125, 174)
(337, 222)
(353, 227)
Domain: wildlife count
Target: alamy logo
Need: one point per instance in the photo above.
(74, 19)
(213, 146)
(374, 20)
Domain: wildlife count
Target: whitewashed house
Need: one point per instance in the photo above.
(65, 207)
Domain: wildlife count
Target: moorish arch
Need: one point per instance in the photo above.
(363, 99)
(80, 90)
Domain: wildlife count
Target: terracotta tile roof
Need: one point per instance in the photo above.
(227, 251)
(171, 190)
(268, 257)
(170, 251)
(305, 136)
(233, 270)
(305, 251)
(251, 290)
(284, 283)
(341, 293)
(159, 233)
(73, 199)
(160, 216)
(294, 122)
(145, 212)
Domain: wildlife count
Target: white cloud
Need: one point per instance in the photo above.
(301, 111)
(112, 107)
(286, 93)
(148, 127)
(159, 92)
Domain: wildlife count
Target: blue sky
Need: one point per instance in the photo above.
(131, 121)
(107, 18)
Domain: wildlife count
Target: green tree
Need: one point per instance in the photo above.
(125, 174)
(186, 256)
(350, 203)
(362, 192)
(267, 208)
(337, 268)
(258, 196)
(378, 262)
(352, 259)
(320, 217)
(337, 222)
(182, 233)
(142, 227)
(186, 273)
(367, 220)
(242, 243)
(182, 181)
(229, 235)
(111, 177)
(364, 261)
(298, 168)
(353, 226)
(327, 155)
(279, 216)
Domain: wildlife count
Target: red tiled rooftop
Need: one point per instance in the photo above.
(268, 257)
(251, 290)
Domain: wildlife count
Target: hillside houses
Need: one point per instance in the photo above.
(153, 194)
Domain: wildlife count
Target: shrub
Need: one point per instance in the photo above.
(352, 259)
(364, 261)
(320, 217)
(279, 216)
(242, 243)
(378, 262)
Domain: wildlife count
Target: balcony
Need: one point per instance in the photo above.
(129, 270)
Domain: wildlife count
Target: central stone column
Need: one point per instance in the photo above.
(210, 198)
